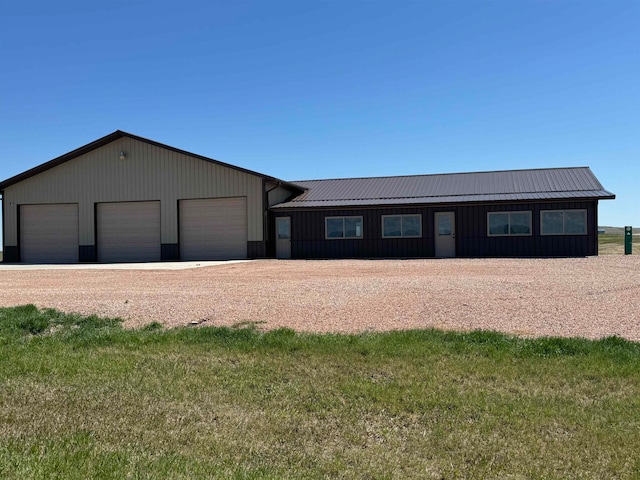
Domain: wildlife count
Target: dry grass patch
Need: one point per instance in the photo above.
(613, 244)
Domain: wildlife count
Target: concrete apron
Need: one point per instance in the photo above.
(119, 266)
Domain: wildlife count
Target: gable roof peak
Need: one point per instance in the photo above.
(89, 147)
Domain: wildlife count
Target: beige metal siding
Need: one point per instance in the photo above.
(213, 229)
(49, 233)
(279, 194)
(129, 232)
(149, 172)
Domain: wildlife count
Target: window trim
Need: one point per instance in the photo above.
(343, 217)
(401, 215)
(509, 234)
(586, 222)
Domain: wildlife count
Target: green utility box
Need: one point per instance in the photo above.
(628, 239)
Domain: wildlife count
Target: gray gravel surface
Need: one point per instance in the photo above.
(587, 297)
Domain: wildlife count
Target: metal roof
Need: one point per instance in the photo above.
(507, 185)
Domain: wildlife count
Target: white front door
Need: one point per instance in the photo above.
(283, 237)
(445, 234)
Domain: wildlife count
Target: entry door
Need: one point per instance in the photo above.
(283, 237)
(445, 232)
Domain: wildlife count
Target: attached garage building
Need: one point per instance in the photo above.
(124, 198)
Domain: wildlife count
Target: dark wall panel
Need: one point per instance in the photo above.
(256, 249)
(10, 254)
(308, 236)
(87, 253)
(169, 252)
(270, 235)
(308, 233)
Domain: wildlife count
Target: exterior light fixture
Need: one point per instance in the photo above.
(123, 155)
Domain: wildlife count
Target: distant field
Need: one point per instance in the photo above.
(83, 398)
(617, 230)
(613, 244)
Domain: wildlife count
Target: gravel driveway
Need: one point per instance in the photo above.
(588, 297)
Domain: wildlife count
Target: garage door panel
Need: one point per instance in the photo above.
(128, 232)
(213, 228)
(49, 233)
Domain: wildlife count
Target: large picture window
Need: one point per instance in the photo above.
(401, 226)
(563, 222)
(343, 227)
(501, 224)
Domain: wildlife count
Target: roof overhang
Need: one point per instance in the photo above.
(452, 199)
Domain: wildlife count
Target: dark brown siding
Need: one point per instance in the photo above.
(169, 252)
(308, 233)
(256, 249)
(10, 255)
(88, 253)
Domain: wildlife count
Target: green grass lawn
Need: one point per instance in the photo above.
(82, 398)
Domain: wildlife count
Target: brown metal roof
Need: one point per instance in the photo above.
(508, 185)
(115, 136)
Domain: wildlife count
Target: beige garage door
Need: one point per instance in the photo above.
(128, 232)
(49, 233)
(213, 228)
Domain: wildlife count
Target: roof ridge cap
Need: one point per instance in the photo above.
(443, 174)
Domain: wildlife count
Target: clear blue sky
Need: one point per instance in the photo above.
(334, 88)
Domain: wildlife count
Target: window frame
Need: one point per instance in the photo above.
(401, 215)
(564, 233)
(343, 217)
(509, 234)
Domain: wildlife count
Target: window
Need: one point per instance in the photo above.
(563, 222)
(508, 224)
(343, 227)
(396, 226)
(283, 225)
(445, 223)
